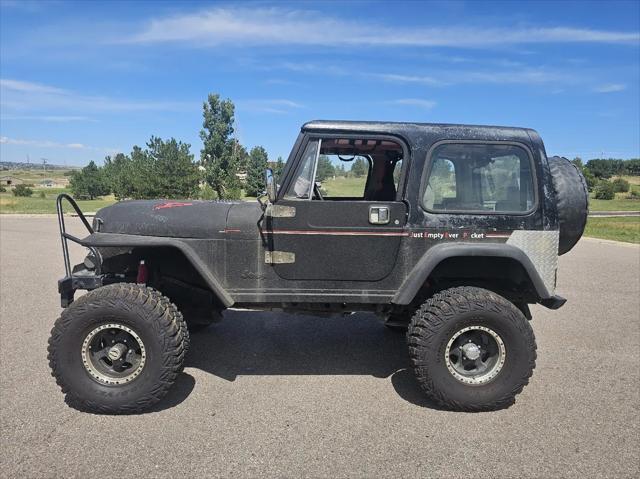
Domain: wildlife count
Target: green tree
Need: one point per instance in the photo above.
(278, 168)
(88, 182)
(578, 162)
(359, 167)
(174, 173)
(22, 190)
(605, 191)
(118, 172)
(143, 182)
(590, 178)
(602, 168)
(632, 167)
(324, 169)
(240, 156)
(217, 155)
(620, 185)
(258, 160)
(165, 169)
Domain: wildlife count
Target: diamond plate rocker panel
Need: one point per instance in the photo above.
(542, 249)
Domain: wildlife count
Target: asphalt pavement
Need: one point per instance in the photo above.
(276, 395)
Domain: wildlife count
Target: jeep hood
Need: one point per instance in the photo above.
(168, 218)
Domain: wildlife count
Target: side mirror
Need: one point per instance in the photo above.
(271, 185)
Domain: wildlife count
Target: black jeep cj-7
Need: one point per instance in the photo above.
(446, 231)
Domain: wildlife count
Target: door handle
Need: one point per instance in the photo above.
(379, 215)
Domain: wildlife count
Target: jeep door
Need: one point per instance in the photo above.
(339, 216)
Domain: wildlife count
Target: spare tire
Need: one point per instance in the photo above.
(572, 200)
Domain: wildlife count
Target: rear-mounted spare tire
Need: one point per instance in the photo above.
(572, 200)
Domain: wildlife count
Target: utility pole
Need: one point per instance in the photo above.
(44, 168)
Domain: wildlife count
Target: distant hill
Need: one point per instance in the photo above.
(18, 165)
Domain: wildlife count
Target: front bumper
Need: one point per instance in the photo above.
(68, 285)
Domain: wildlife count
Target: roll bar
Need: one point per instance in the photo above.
(64, 236)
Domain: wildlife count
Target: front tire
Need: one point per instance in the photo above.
(118, 349)
(471, 349)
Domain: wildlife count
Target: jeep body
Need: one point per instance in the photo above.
(309, 253)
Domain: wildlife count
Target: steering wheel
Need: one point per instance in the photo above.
(316, 190)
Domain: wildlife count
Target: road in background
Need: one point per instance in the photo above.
(281, 395)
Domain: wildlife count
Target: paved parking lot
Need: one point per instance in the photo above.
(291, 396)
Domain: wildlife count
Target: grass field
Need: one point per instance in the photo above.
(621, 202)
(342, 186)
(619, 229)
(36, 176)
(37, 205)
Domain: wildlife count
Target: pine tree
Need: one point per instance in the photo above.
(88, 182)
(278, 167)
(175, 173)
(359, 167)
(258, 159)
(325, 168)
(219, 153)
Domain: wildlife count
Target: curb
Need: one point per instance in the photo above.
(40, 215)
(605, 214)
(28, 215)
(611, 242)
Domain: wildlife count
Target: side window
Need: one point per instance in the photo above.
(479, 178)
(348, 169)
(343, 177)
(442, 183)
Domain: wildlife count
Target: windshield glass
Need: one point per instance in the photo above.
(302, 186)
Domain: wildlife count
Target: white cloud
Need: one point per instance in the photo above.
(29, 6)
(269, 26)
(29, 87)
(454, 77)
(278, 106)
(49, 118)
(18, 95)
(47, 144)
(610, 88)
(525, 76)
(279, 81)
(417, 102)
(508, 73)
(425, 80)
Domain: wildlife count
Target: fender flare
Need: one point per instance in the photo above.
(434, 256)
(110, 240)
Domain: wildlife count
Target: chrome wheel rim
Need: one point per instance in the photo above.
(475, 355)
(113, 354)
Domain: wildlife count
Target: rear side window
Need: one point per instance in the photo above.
(479, 178)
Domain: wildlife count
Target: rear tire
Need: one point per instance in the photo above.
(132, 371)
(503, 354)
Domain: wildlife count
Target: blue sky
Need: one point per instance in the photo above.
(80, 80)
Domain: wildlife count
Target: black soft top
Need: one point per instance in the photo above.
(416, 130)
